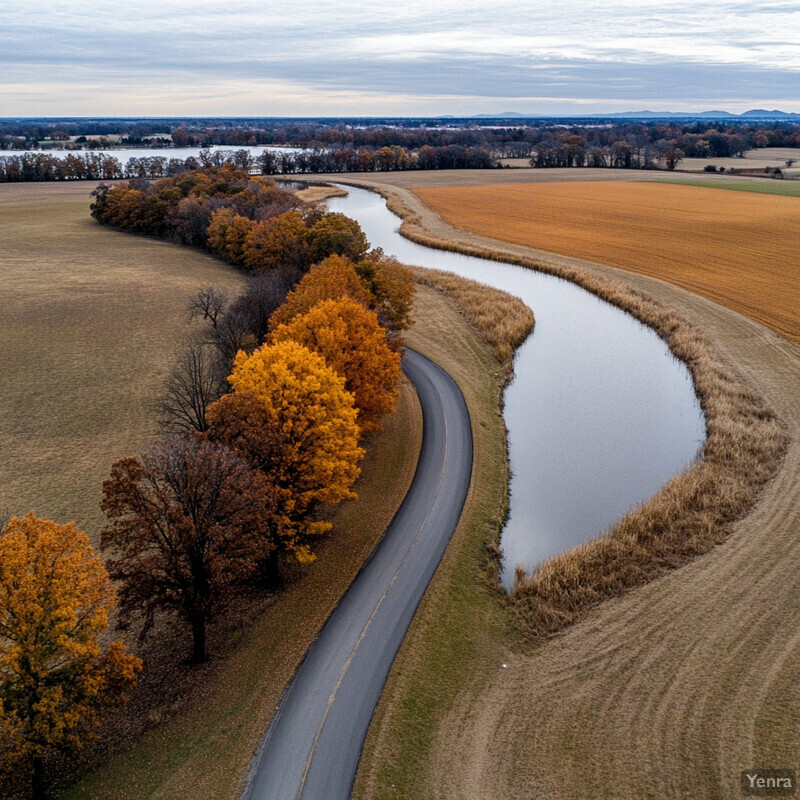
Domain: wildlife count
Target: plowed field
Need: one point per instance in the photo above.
(738, 249)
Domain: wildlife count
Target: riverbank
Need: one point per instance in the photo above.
(513, 733)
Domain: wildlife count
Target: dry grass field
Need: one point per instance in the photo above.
(735, 248)
(92, 320)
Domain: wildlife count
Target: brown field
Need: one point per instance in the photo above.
(92, 321)
(668, 691)
(735, 248)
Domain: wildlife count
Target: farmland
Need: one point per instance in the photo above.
(93, 320)
(734, 248)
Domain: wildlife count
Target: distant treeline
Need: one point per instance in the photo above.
(412, 134)
(35, 165)
(326, 146)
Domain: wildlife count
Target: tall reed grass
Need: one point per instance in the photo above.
(502, 320)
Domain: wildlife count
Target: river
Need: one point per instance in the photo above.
(599, 414)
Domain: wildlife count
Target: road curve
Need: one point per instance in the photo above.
(313, 745)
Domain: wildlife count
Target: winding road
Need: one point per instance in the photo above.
(313, 745)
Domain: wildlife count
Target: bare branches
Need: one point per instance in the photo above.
(208, 303)
(196, 381)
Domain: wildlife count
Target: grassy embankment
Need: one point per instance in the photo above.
(690, 515)
(119, 301)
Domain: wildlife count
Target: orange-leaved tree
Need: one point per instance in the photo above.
(336, 234)
(277, 242)
(56, 681)
(290, 415)
(332, 278)
(227, 235)
(351, 340)
(391, 286)
(188, 521)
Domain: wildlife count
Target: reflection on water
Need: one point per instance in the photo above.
(600, 414)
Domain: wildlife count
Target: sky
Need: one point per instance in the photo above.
(401, 58)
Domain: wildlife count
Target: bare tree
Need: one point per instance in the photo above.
(266, 291)
(197, 380)
(208, 303)
(232, 334)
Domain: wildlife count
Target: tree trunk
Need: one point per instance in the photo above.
(37, 780)
(199, 646)
(271, 570)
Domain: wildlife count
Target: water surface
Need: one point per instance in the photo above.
(600, 414)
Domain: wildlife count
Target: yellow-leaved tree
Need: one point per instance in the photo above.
(351, 340)
(277, 242)
(391, 285)
(291, 416)
(56, 681)
(331, 279)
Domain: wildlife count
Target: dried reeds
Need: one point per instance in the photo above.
(501, 319)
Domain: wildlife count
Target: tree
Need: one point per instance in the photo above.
(265, 293)
(391, 287)
(291, 417)
(56, 682)
(188, 522)
(227, 235)
(208, 303)
(331, 279)
(351, 340)
(196, 381)
(672, 157)
(336, 234)
(277, 242)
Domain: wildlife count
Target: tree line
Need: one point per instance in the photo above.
(263, 419)
(45, 166)
(330, 147)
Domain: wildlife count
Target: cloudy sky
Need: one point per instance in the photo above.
(405, 57)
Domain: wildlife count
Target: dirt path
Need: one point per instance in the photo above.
(675, 688)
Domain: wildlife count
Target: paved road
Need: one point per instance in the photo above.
(312, 747)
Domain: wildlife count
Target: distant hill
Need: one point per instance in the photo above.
(762, 113)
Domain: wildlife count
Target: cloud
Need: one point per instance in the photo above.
(243, 56)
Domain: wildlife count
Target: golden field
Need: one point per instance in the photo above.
(738, 249)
